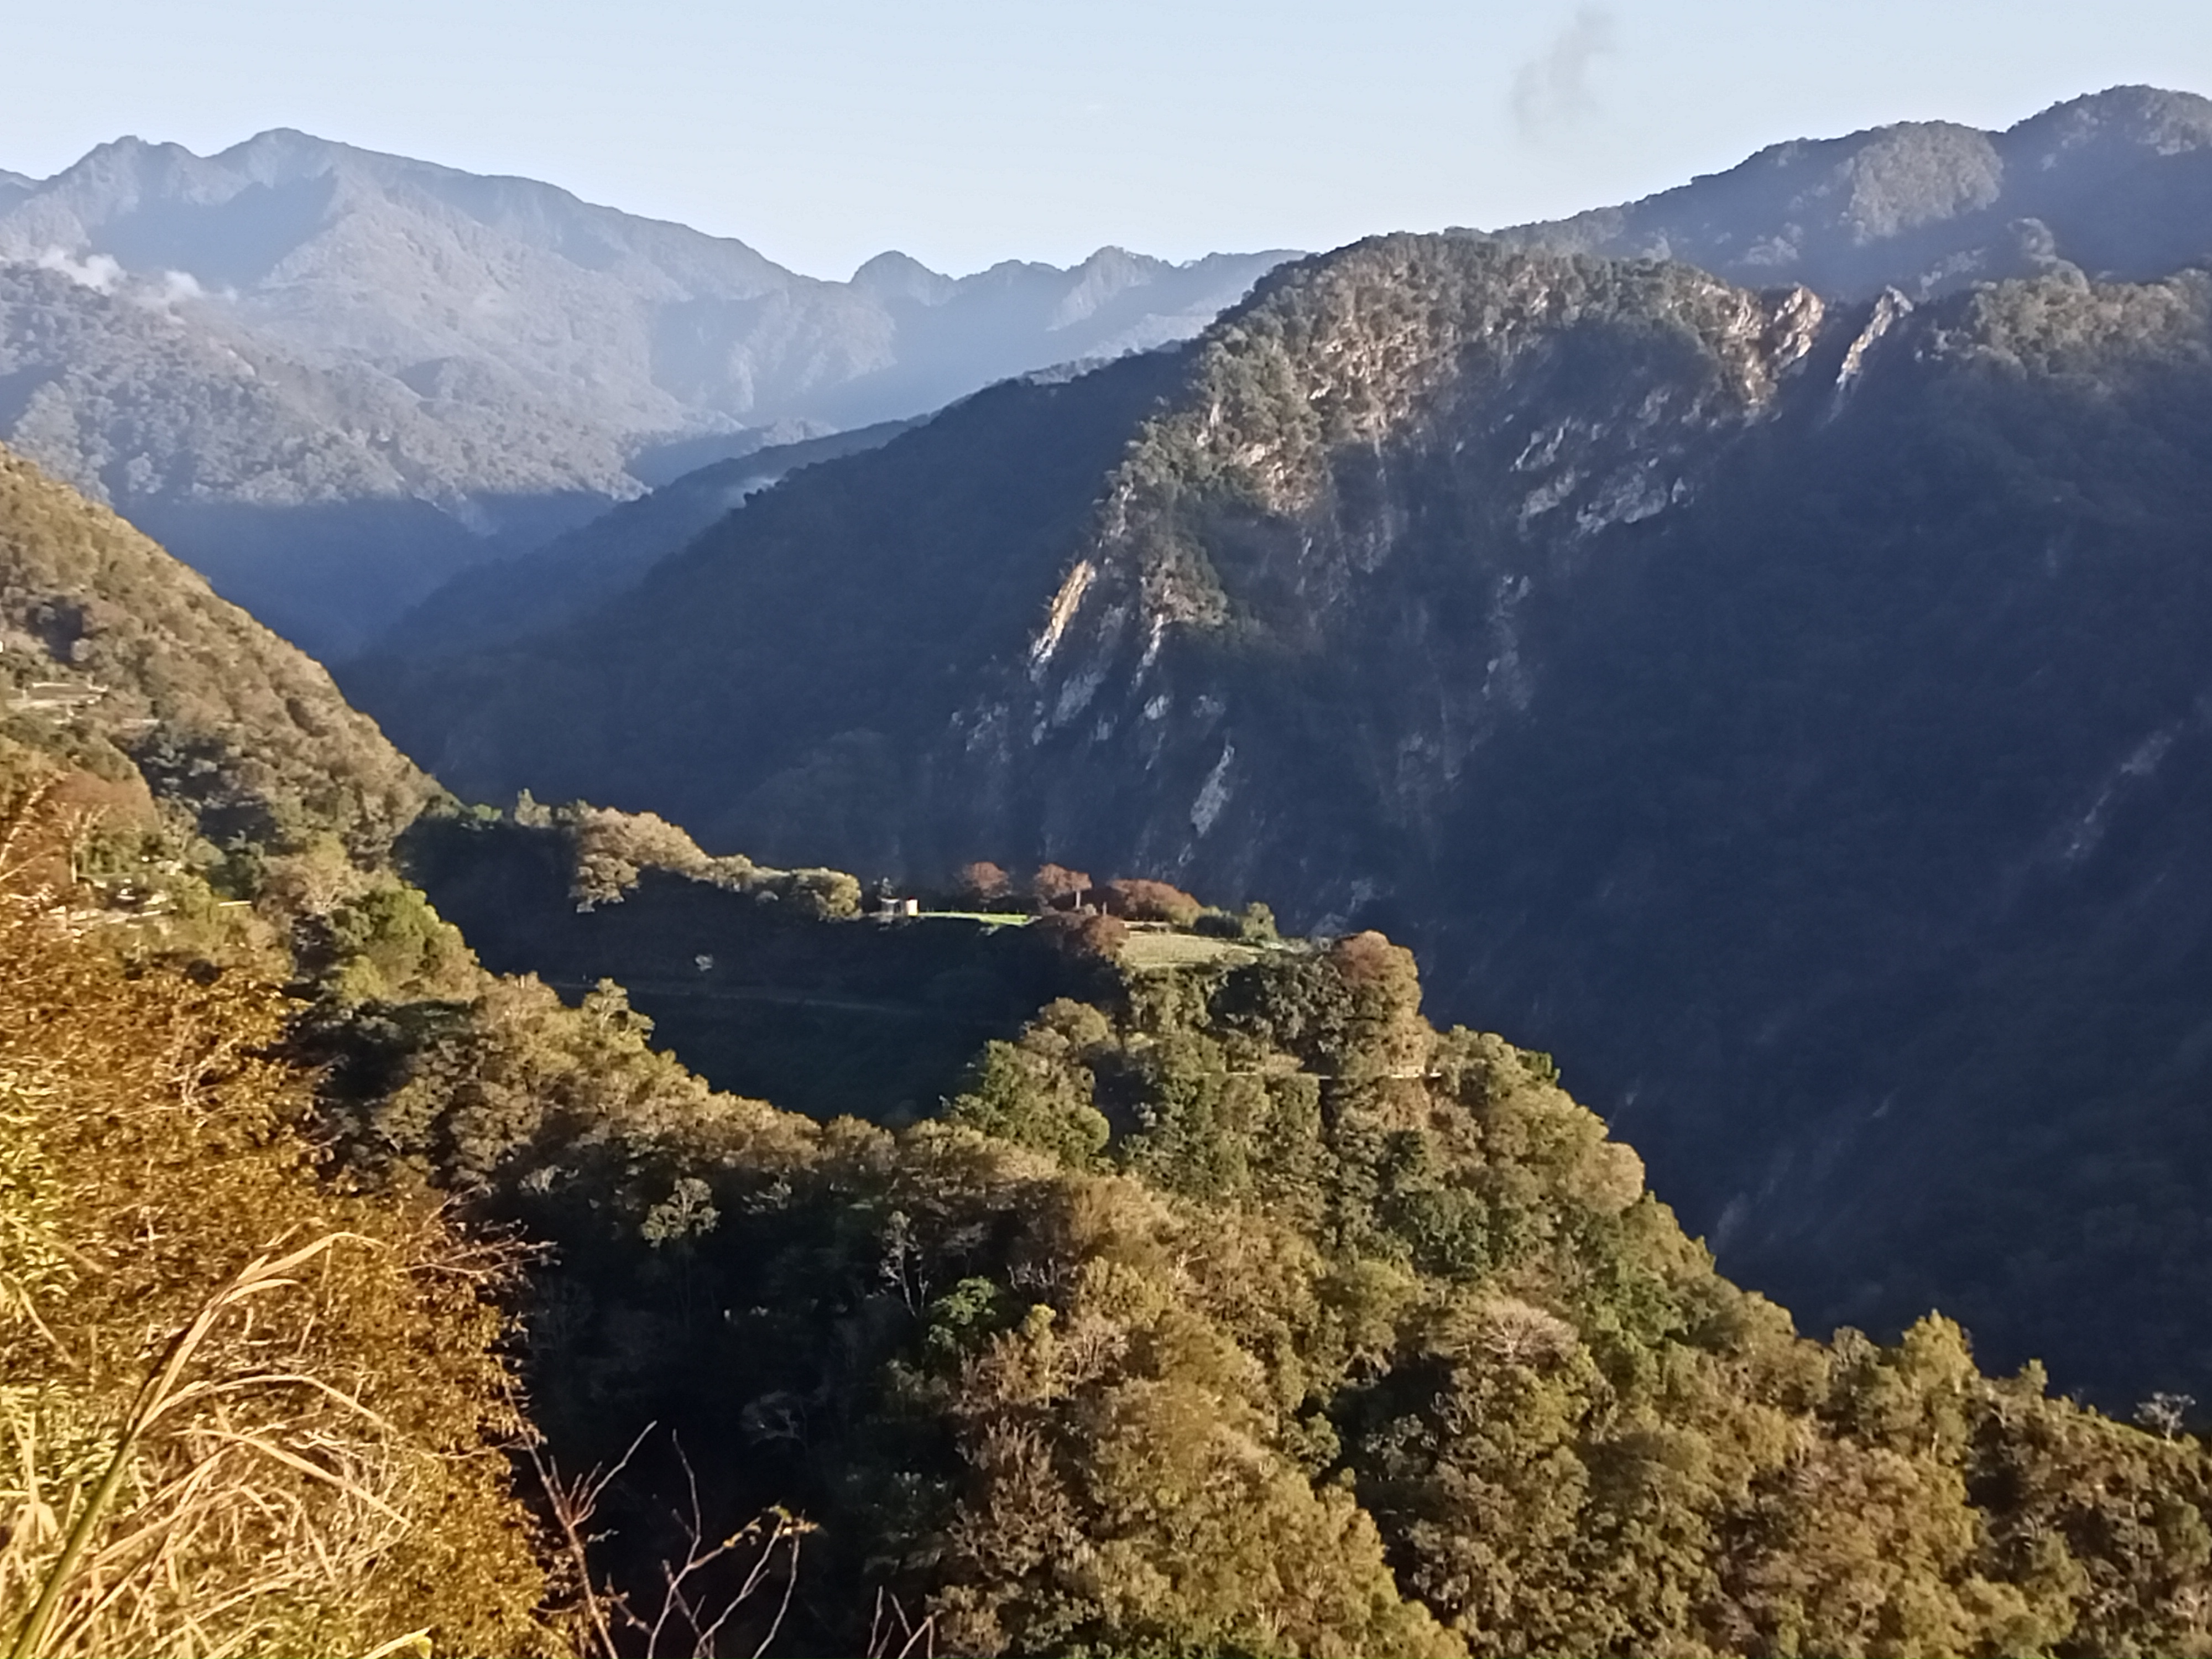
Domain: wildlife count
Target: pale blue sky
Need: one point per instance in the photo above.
(965, 132)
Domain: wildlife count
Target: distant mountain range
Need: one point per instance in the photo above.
(1786, 702)
(326, 376)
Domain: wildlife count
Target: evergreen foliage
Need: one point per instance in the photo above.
(109, 649)
(1790, 711)
(1243, 1311)
(1225, 1307)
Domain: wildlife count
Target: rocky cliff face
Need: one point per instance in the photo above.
(1789, 713)
(1321, 563)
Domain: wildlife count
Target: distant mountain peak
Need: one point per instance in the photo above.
(2120, 180)
(893, 275)
(284, 152)
(2164, 119)
(1113, 257)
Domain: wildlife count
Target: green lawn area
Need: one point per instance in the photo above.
(1149, 945)
(1164, 950)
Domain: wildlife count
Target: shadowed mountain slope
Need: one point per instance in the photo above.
(1304, 1325)
(323, 500)
(503, 599)
(1781, 710)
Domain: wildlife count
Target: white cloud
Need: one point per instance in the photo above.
(99, 272)
(176, 287)
(1553, 89)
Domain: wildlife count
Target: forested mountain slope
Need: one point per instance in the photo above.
(1782, 711)
(1237, 1309)
(1224, 1307)
(113, 653)
(2117, 182)
(253, 1409)
(863, 603)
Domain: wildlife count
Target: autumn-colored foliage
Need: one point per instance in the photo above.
(1057, 887)
(245, 1412)
(1140, 900)
(983, 882)
(1094, 935)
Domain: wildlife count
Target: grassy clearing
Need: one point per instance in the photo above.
(1149, 950)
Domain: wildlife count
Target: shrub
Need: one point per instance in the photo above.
(246, 1411)
(1097, 936)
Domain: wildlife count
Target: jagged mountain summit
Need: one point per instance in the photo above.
(331, 377)
(2117, 182)
(1783, 709)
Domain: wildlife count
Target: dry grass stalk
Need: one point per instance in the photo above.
(894, 1633)
(230, 1473)
(190, 1478)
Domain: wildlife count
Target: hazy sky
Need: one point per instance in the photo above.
(966, 131)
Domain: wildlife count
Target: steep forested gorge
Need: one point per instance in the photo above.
(1786, 711)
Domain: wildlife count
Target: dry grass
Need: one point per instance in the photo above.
(225, 1488)
(239, 1412)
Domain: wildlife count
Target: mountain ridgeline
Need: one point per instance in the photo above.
(1783, 709)
(331, 379)
(2118, 184)
(528, 1229)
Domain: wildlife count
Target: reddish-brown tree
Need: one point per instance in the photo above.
(1097, 934)
(1058, 888)
(984, 881)
(1140, 900)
